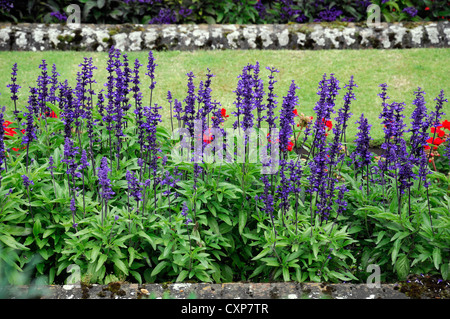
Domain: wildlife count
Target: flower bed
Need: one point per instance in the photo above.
(91, 180)
(224, 12)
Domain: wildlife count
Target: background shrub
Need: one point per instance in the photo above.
(222, 12)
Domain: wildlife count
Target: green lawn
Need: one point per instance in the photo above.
(402, 70)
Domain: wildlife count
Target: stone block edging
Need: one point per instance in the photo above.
(136, 37)
(215, 291)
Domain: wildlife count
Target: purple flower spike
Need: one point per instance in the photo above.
(27, 181)
(106, 191)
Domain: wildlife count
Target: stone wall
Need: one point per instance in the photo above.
(313, 36)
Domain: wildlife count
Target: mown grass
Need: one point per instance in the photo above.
(402, 70)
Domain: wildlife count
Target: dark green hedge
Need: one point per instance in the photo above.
(222, 12)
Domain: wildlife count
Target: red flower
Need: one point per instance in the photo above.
(207, 137)
(290, 146)
(223, 112)
(427, 8)
(437, 141)
(328, 124)
(446, 125)
(438, 130)
(277, 140)
(52, 115)
(9, 130)
(295, 112)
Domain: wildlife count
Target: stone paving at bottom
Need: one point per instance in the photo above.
(218, 291)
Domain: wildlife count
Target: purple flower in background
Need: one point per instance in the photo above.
(165, 16)
(185, 12)
(184, 210)
(348, 19)
(244, 99)
(267, 197)
(290, 101)
(51, 167)
(287, 13)
(73, 209)
(30, 128)
(104, 181)
(153, 118)
(344, 113)
(70, 152)
(184, 213)
(342, 204)
(361, 157)
(261, 9)
(419, 126)
(189, 108)
(54, 85)
(83, 161)
(364, 3)
(43, 81)
(67, 107)
(271, 100)
(284, 188)
(171, 180)
(126, 82)
(258, 87)
(405, 168)
(27, 182)
(100, 103)
(84, 85)
(14, 88)
(329, 14)
(58, 15)
(134, 187)
(411, 11)
(137, 95)
(151, 70)
(108, 118)
(6, 5)
(2, 142)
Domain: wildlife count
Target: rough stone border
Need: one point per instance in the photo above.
(135, 37)
(215, 291)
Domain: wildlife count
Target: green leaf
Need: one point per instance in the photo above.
(315, 248)
(225, 218)
(242, 220)
(44, 253)
(131, 251)
(37, 227)
(395, 250)
(182, 275)
(402, 267)
(11, 242)
(137, 276)
(445, 271)
(94, 253)
(262, 254)
(158, 268)
(101, 261)
(120, 264)
(271, 261)
(286, 275)
(437, 259)
(203, 276)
